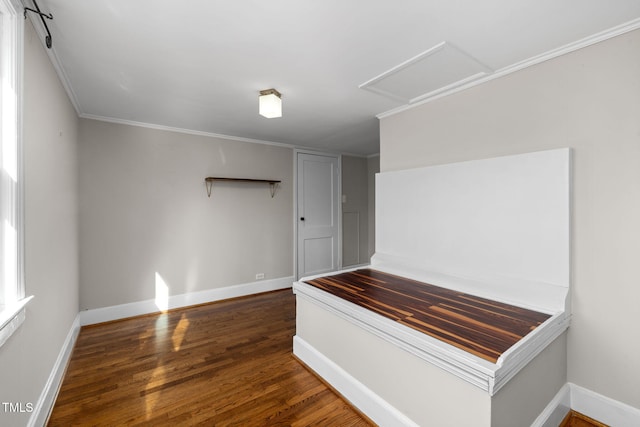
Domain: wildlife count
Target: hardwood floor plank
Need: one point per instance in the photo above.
(223, 364)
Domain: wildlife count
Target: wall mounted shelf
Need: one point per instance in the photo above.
(211, 179)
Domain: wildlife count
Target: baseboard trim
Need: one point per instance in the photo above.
(589, 403)
(122, 311)
(556, 410)
(49, 393)
(602, 408)
(369, 403)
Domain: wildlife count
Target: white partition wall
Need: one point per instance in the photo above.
(502, 221)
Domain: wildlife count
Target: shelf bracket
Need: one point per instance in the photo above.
(209, 184)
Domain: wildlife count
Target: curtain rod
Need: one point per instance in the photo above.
(44, 23)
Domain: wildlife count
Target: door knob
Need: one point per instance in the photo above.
(301, 218)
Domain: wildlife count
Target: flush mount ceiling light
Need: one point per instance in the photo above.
(270, 103)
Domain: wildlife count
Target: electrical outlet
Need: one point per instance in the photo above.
(259, 276)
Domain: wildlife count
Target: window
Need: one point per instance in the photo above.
(12, 300)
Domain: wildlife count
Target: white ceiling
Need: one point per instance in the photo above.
(198, 65)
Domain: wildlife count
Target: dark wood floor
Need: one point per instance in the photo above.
(477, 325)
(224, 364)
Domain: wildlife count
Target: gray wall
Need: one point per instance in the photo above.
(144, 210)
(51, 239)
(373, 167)
(358, 186)
(355, 211)
(588, 100)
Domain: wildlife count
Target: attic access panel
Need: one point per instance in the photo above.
(438, 69)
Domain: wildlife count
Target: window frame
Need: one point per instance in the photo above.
(12, 287)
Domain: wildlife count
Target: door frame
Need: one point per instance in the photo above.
(338, 200)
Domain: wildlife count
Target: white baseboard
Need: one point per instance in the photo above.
(589, 403)
(368, 402)
(48, 396)
(556, 410)
(602, 408)
(115, 312)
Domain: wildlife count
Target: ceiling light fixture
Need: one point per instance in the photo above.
(270, 103)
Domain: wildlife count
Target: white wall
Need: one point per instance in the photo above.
(144, 210)
(588, 100)
(51, 239)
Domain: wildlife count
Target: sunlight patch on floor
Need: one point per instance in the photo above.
(179, 332)
(151, 398)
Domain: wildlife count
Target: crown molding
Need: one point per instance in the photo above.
(183, 130)
(568, 48)
(57, 65)
(210, 134)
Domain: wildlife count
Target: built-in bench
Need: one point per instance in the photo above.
(477, 325)
(460, 319)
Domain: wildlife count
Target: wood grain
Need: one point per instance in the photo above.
(477, 325)
(223, 364)
(576, 419)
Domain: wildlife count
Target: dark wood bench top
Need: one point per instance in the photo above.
(480, 326)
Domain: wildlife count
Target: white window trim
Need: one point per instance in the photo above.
(12, 312)
(11, 317)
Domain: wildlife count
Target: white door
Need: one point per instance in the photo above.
(318, 210)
